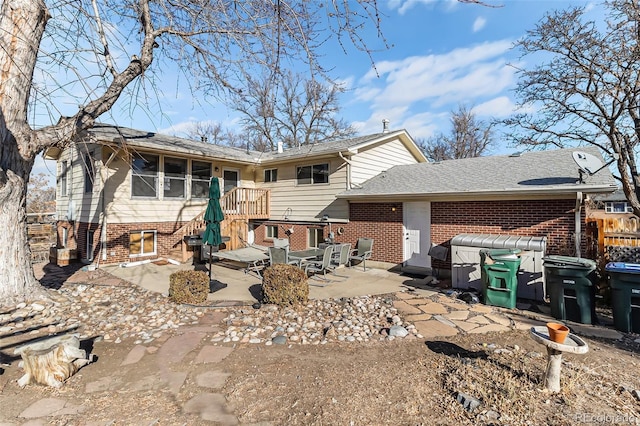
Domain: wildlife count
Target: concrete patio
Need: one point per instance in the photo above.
(245, 287)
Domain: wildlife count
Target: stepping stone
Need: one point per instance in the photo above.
(434, 328)
(403, 295)
(405, 308)
(174, 380)
(499, 319)
(465, 326)
(457, 315)
(134, 355)
(433, 308)
(524, 323)
(419, 317)
(51, 407)
(490, 328)
(416, 301)
(479, 319)
(483, 309)
(211, 407)
(443, 320)
(174, 349)
(100, 385)
(212, 379)
(147, 383)
(210, 354)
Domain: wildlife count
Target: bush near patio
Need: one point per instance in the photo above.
(189, 287)
(285, 285)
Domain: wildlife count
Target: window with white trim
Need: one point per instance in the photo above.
(64, 169)
(271, 175)
(142, 243)
(271, 232)
(617, 207)
(200, 177)
(89, 173)
(315, 236)
(313, 175)
(144, 176)
(175, 177)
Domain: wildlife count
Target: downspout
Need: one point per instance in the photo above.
(578, 222)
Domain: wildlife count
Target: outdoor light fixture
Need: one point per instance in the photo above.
(216, 169)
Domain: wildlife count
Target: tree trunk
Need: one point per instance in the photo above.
(22, 23)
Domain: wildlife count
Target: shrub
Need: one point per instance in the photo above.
(285, 285)
(189, 287)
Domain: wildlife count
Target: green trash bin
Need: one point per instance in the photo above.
(570, 283)
(624, 279)
(499, 274)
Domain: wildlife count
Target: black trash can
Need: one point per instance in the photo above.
(571, 287)
(624, 279)
(499, 273)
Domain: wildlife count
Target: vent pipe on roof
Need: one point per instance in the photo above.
(280, 147)
(385, 126)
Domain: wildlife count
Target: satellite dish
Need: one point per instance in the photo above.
(587, 163)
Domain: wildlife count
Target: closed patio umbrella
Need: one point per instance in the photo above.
(213, 216)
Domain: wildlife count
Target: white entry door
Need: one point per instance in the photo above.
(417, 233)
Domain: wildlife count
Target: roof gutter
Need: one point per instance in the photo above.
(474, 194)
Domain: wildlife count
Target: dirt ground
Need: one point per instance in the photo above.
(395, 383)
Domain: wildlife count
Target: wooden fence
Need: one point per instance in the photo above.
(615, 239)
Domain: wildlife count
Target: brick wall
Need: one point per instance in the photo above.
(380, 221)
(383, 223)
(118, 239)
(297, 240)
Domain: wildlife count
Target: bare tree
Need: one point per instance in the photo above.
(290, 109)
(94, 51)
(41, 196)
(586, 91)
(469, 137)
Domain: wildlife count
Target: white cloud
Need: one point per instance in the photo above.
(437, 83)
(479, 24)
(404, 5)
(498, 107)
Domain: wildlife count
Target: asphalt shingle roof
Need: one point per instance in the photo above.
(151, 140)
(528, 172)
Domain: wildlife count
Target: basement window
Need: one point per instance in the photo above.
(142, 243)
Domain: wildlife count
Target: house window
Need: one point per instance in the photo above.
(315, 236)
(271, 175)
(89, 173)
(90, 235)
(142, 243)
(144, 176)
(64, 237)
(618, 207)
(271, 232)
(311, 175)
(63, 178)
(200, 177)
(175, 177)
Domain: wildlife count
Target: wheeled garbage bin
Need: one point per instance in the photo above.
(500, 276)
(571, 287)
(624, 279)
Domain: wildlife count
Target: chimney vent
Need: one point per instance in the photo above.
(385, 126)
(280, 148)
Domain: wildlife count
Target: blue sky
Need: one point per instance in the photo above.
(443, 53)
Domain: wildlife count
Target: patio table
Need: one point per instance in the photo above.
(309, 254)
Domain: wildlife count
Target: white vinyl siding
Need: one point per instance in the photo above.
(79, 205)
(371, 162)
(309, 202)
(122, 208)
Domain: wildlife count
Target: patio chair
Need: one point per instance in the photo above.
(340, 258)
(281, 255)
(362, 252)
(281, 242)
(323, 265)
